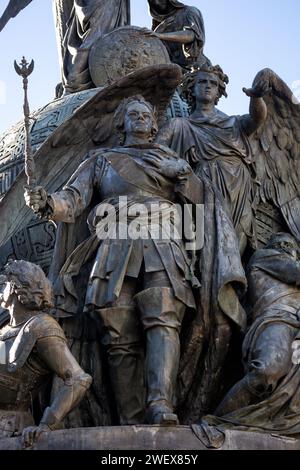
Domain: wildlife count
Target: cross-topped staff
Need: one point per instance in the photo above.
(24, 70)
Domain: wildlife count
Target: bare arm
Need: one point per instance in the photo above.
(258, 112)
(262, 86)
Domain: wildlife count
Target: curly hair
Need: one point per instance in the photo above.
(29, 283)
(189, 82)
(119, 116)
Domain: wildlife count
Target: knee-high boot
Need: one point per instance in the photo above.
(161, 315)
(121, 335)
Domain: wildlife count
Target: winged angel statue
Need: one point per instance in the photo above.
(78, 24)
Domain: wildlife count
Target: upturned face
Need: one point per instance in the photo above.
(206, 88)
(138, 120)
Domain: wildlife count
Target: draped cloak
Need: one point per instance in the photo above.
(216, 147)
(77, 30)
(180, 18)
(220, 270)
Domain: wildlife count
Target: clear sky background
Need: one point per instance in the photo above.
(242, 36)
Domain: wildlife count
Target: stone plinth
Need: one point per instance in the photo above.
(149, 438)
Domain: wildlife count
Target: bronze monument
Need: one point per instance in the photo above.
(170, 232)
(33, 348)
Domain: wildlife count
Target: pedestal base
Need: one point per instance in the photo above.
(149, 438)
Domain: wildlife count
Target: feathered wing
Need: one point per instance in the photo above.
(13, 9)
(90, 127)
(276, 147)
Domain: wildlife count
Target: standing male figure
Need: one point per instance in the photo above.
(151, 273)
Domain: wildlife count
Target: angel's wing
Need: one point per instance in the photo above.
(90, 127)
(276, 147)
(13, 9)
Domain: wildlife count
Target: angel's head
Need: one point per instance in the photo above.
(26, 283)
(204, 84)
(160, 7)
(135, 119)
(285, 243)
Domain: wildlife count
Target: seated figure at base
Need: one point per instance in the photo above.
(267, 398)
(33, 348)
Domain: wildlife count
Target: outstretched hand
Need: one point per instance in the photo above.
(259, 90)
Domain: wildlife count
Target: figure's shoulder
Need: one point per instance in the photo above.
(193, 12)
(43, 325)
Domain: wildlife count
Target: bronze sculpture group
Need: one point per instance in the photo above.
(165, 312)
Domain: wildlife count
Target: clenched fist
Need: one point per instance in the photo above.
(36, 198)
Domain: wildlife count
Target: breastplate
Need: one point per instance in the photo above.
(112, 185)
(18, 388)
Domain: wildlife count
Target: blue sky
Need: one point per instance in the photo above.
(242, 36)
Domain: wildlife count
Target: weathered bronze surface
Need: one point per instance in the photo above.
(163, 326)
(151, 275)
(33, 347)
(267, 397)
(181, 28)
(123, 51)
(78, 25)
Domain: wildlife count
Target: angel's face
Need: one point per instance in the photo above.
(138, 120)
(206, 88)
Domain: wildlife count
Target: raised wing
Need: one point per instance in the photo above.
(13, 9)
(90, 127)
(276, 147)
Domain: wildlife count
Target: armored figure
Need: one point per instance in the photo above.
(33, 348)
(150, 273)
(268, 396)
(181, 28)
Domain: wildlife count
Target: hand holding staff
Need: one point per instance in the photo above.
(24, 69)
